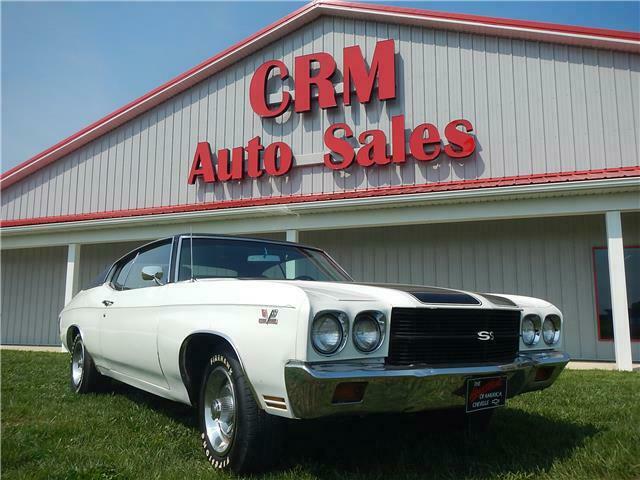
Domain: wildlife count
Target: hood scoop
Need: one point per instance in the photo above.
(432, 294)
(458, 298)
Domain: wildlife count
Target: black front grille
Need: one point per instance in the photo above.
(450, 336)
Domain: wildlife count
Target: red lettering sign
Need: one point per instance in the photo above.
(258, 87)
(424, 144)
(318, 69)
(316, 72)
(383, 66)
(277, 159)
(202, 165)
(321, 79)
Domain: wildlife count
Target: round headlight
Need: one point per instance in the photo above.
(328, 333)
(367, 332)
(531, 329)
(551, 329)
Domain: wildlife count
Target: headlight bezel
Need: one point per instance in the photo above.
(536, 321)
(342, 320)
(379, 320)
(556, 321)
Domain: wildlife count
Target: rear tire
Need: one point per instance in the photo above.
(83, 375)
(236, 433)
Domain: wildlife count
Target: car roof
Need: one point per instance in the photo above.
(241, 238)
(216, 235)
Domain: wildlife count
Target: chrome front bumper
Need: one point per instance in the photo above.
(311, 387)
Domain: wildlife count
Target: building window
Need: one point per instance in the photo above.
(603, 291)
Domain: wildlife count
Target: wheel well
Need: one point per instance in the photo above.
(72, 331)
(194, 353)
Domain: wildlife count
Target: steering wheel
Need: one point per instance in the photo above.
(304, 277)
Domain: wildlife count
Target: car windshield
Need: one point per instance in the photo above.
(255, 259)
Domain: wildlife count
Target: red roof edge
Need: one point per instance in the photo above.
(453, 185)
(163, 92)
(496, 21)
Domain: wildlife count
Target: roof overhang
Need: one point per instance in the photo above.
(536, 31)
(495, 203)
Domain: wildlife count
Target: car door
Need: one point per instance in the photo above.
(128, 329)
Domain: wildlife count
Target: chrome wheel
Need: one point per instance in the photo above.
(219, 410)
(77, 363)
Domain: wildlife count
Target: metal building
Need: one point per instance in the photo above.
(538, 192)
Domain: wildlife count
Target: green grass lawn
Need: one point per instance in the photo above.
(586, 426)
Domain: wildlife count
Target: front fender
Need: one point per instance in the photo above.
(262, 347)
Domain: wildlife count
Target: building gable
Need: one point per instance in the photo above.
(531, 105)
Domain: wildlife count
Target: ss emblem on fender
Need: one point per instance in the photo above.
(484, 335)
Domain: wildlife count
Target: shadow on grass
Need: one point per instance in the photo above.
(425, 445)
(178, 412)
(432, 445)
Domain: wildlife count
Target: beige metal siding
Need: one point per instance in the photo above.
(32, 295)
(536, 108)
(549, 258)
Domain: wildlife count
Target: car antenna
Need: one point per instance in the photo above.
(191, 250)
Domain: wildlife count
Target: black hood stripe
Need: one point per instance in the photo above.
(431, 294)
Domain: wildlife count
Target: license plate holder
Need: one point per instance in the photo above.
(485, 393)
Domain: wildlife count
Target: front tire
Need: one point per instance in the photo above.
(236, 434)
(83, 375)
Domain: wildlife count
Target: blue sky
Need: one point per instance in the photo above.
(65, 65)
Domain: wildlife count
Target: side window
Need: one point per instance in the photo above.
(122, 273)
(158, 256)
(129, 276)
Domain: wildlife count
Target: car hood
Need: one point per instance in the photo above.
(402, 293)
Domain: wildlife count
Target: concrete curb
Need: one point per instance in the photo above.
(34, 348)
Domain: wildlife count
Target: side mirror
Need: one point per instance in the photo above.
(152, 272)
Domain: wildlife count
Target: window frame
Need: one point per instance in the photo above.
(119, 264)
(595, 289)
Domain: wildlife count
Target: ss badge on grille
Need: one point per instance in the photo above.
(484, 335)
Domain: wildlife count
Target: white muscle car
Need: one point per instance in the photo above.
(249, 331)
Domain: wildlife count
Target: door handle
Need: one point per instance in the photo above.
(106, 303)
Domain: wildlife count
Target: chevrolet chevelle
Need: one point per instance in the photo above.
(249, 331)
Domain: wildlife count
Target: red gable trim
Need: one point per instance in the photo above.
(365, 193)
(592, 37)
(493, 21)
